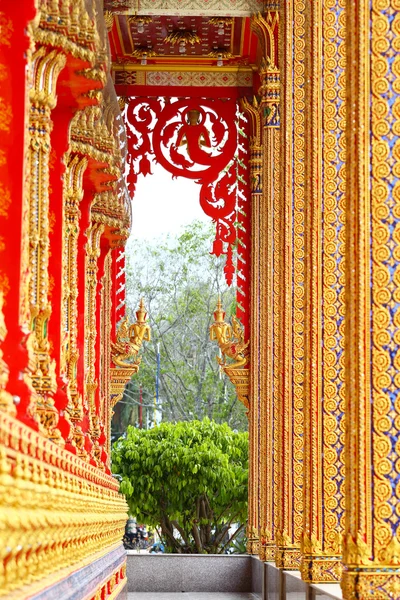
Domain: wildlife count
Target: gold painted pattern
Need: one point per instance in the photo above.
(290, 483)
(325, 187)
(70, 508)
(105, 356)
(371, 550)
(93, 235)
(46, 66)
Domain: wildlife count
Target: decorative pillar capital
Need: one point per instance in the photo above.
(125, 351)
(230, 339)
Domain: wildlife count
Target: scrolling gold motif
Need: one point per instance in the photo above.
(257, 367)
(371, 543)
(324, 250)
(291, 221)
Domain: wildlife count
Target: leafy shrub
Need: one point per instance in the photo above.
(188, 479)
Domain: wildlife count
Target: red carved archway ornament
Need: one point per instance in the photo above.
(196, 139)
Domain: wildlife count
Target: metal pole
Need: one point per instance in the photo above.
(140, 407)
(158, 373)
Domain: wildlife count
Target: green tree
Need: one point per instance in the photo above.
(180, 281)
(188, 479)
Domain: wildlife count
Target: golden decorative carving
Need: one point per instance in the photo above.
(143, 52)
(109, 19)
(182, 38)
(129, 339)
(230, 339)
(73, 194)
(220, 53)
(290, 342)
(257, 371)
(324, 295)
(372, 525)
(65, 24)
(93, 235)
(124, 351)
(137, 19)
(46, 68)
(105, 356)
(71, 510)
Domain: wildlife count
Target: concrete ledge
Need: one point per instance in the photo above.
(282, 585)
(189, 572)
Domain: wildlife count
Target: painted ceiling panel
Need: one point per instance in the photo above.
(188, 7)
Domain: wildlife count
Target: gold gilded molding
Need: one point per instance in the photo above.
(371, 541)
(265, 245)
(73, 194)
(256, 366)
(71, 509)
(289, 519)
(47, 65)
(93, 235)
(105, 355)
(66, 25)
(324, 293)
(268, 281)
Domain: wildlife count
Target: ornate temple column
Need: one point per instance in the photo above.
(270, 92)
(93, 251)
(289, 268)
(264, 179)
(47, 66)
(269, 412)
(324, 292)
(105, 354)
(73, 195)
(371, 553)
(257, 364)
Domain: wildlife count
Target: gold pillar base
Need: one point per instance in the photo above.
(287, 558)
(359, 583)
(253, 541)
(267, 552)
(321, 569)
(253, 547)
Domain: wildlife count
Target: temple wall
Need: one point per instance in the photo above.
(64, 220)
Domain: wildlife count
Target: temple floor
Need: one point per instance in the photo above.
(191, 596)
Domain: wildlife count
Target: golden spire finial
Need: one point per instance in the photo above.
(219, 313)
(141, 313)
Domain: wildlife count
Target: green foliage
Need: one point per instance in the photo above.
(188, 479)
(180, 281)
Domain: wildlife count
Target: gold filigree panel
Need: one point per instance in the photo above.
(324, 293)
(372, 547)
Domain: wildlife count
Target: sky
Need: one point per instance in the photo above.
(164, 205)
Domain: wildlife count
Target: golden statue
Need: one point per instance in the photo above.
(231, 342)
(230, 339)
(124, 351)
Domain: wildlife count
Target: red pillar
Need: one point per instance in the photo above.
(13, 212)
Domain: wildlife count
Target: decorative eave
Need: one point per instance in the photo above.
(223, 8)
